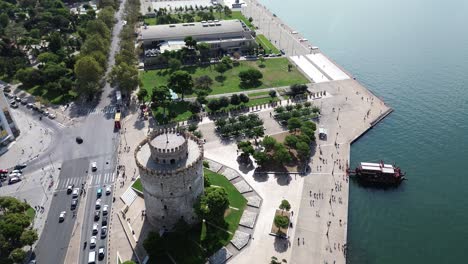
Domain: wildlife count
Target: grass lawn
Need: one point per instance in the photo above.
(31, 213)
(54, 97)
(275, 74)
(266, 44)
(179, 110)
(261, 101)
(240, 16)
(137, 185)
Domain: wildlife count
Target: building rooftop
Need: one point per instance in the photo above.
(167, 141)
(192, 29)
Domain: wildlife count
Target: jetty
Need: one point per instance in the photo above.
(320, 221)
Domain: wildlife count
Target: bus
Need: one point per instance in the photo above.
(117, 124)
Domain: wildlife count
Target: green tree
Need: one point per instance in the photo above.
(221, 68)
(250, 77)
(261, 59)
(161, 96)
(95, 43)
(213, 204)
(281, 155)
(285, 205)
(227, 61)
(181, 82)
(29, 77)
(88, 74)
(244, 98)
(28, 237)
(202, 85)
(174, 64)
(246, 149)
(204, 52)
(272, 93)
(55, 42)
(97, 27)
(15, 31)
(17, 255)
(142, 94)
(303, 150)
(269, 143)
(290, 141)
(4, 20)
(129, 262)
(46, 57)
(281, 221)
(227, 11)
(260, 157)
(190, 42)
(235, 100)
(309, 124)
(125, 77)
(107, 16)
(294, 123)
(53, 72)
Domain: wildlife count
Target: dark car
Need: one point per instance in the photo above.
(20, 166)
(79, 140)
(74, 202)
(97, 215)
(103, 231)
(104, 221)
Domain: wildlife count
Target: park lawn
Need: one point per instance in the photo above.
(179, 108)
(266, 44)
(137, 185)
(236, 199)
(261, 101)
(50, 96)
(265, 93)
(275, 74)
(30, 212)
(240, 16)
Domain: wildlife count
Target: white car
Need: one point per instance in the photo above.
(15, 175)
(75, 192)
(98, 204)
(105, 209)
(92, 242)
(94, 166)
(62, 216)
(52, 116)
(16, 171)
(108, 190)
(95, 228)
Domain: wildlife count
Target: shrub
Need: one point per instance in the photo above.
(224, 101)
(272, 93)
(281, 221)
(192, 127)
(235, 100)
(244, 98)
(285, 205)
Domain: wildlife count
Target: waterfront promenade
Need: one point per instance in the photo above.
(320, 219)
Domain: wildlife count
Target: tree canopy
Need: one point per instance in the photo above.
(181, 82)
(213, 204)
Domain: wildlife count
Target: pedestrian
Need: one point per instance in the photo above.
(298, 241)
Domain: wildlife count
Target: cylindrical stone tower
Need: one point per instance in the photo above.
(171, 171)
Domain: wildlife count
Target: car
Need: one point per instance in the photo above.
(98, 204)
(104, 221)
(20, 166)
(14, 104)
(16, 171)
(108, 190)
(14, 180)
(24, 101)
(99, 192)
(75, 192)
(94, 166)
(105, 209)
(46, 113)
(101, 253)
(17, 99)
(3, 171)
(30, 105)
(52, 116)
(70, 188)
(92, 242)
(79, 140)
(74, 203)
(62, 216)
(103, 231)
(6, 89)
(97, 215)
(95, 228)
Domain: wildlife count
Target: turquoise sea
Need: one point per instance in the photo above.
(413, 54)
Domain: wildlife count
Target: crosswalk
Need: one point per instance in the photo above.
(98, 111)
(91, 180)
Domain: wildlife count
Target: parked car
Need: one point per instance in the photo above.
(95, 228)
(75, 192)
(94, 166)
(15, 174)
(20, 166)
(16, 171)
(99, 192)
(24, 101)
(29, 105)
(98, 204)
(97, 215)
(101, 253)
(108, 190)
(17, 99)
(104, 221)
(92, 242)
(103, 231)
(105, 209)
(14, 180)
(52, 116)
(3, 171)
(62, 216)
(14, 104)
(74, 203)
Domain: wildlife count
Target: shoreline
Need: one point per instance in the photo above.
(320, 228)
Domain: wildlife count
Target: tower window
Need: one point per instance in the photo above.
(165, 207)
(172, 161)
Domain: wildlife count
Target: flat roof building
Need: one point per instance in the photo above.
(229, 35)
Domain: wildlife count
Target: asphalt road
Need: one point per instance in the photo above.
(53, 244)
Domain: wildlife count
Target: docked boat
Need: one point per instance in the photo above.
(378, 174)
